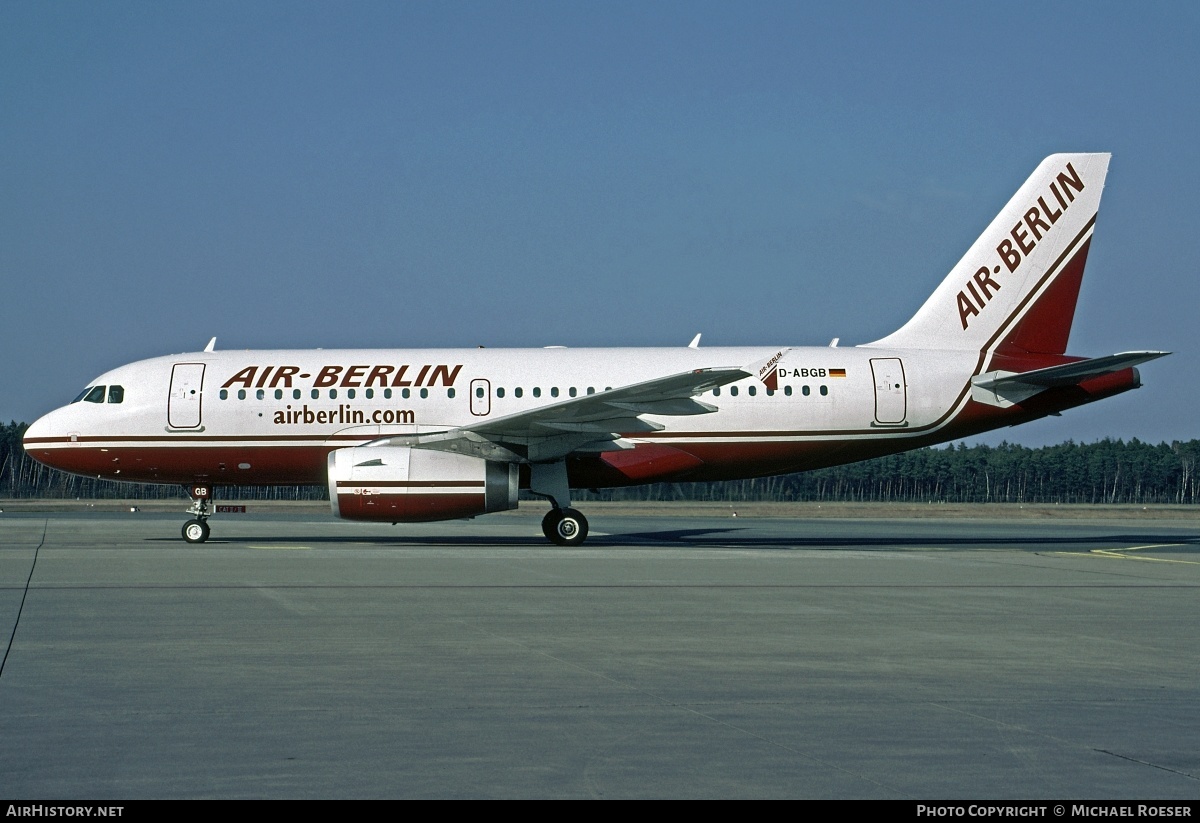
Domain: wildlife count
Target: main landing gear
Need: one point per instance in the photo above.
(565, 527)
(562, 525)
(196, 530)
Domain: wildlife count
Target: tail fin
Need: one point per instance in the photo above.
(1015, 289)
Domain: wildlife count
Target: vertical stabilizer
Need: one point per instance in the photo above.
(1015, 289)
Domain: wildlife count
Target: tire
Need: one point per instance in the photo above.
(195, 531)
(550, 523)
(565, 527)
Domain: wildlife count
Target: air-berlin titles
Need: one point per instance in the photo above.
(1025, 236)
(349, 377)
(343, 415)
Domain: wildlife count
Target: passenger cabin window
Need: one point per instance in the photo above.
(96, 395)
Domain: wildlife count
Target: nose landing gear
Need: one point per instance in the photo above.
(196, 530)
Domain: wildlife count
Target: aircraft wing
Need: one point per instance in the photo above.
(614, 409)
(593, 422)
(1003, 389)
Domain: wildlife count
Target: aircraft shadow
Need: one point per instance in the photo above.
(725, 538)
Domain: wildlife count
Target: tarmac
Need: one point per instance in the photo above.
(707, 656)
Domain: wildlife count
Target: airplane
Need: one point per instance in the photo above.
(433, 434)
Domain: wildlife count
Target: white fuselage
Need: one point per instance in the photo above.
(272, 416)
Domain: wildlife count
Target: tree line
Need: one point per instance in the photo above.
(1107, 471)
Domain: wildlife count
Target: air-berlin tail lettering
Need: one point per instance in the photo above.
(350, 377)
(1025, 236)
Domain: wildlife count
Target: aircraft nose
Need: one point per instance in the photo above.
(44, 438)
(43, 429)
(37, 430)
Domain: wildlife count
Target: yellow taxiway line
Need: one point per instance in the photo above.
(1120, 554)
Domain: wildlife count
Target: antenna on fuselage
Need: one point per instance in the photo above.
(212, 345)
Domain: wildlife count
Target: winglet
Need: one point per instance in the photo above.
(765, 370)
(212, 345)
(695, 344)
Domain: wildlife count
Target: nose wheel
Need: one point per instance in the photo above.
(565, 527)
(196, 530)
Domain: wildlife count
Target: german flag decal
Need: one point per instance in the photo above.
(837, 372)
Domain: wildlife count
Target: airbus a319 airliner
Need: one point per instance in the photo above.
(417, 435)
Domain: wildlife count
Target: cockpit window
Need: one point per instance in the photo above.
(116, 394)
(96, 395)
(82, 394)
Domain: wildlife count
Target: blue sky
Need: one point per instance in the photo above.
(524, 174)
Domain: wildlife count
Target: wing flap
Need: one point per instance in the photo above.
(674, 406)
(605, 426)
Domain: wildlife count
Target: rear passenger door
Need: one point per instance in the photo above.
(891, 393)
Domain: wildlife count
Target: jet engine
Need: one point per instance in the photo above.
(397, 484)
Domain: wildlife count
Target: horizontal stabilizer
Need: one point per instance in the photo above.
(1004, 389)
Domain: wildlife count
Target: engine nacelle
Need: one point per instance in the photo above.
(400, 484)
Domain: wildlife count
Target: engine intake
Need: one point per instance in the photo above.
(397, 484)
